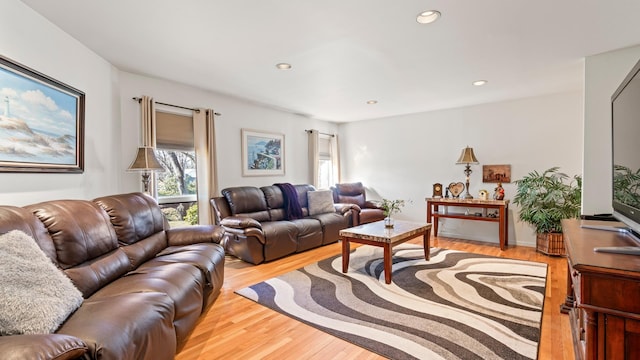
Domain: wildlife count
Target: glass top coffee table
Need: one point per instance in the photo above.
(376, 234)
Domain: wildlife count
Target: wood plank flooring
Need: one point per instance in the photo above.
(237, 328)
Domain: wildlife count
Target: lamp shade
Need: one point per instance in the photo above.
(467, 157)
(145, 160)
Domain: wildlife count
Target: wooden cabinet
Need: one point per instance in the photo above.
(603, 294)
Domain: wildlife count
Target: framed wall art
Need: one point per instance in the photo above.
(496, 173)
(262, 153)
(41, 122)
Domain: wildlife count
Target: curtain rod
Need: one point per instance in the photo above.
(176, 106)
(321, 133)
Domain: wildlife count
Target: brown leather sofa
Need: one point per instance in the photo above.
(257, 228)
(144, 285)
(354, 193)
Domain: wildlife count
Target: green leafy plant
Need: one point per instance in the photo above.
(545, 199)
(192, 215)
(391, 206)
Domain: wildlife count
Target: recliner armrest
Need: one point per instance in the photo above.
(372, 204)
(343, 208)
(41, 346)
(240, 222)
(195, 234)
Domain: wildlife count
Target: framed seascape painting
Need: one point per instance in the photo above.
(41, 122)
(262, 153)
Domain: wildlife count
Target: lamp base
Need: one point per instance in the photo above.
(467, 196)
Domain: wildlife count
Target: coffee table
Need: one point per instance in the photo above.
(376, 234)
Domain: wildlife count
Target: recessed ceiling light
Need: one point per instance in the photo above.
(427, 17)
(479, 82)
(283, 66)
(371, 102)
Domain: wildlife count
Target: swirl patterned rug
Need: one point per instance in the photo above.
(456, 306)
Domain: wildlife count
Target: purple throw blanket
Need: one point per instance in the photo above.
(292, 207)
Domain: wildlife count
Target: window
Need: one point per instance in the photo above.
(176, 186)
(325, 165)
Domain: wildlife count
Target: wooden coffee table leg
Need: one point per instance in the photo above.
(426, 243)
(346, 251)
(387, 263)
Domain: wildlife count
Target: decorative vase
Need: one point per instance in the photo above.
(388, 222)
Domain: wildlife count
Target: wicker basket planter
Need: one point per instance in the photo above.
(550, 244)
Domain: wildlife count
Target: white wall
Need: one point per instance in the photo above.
(401, 157)
(236, 114)
(603, 75)
(31, 40)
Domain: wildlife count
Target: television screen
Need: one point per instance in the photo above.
(625, 114)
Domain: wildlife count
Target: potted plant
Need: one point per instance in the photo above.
(545, 199)
(390, 207)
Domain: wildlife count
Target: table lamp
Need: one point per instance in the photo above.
(146, 162)
(467, 157)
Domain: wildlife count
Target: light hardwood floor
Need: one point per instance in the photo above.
(237, 328)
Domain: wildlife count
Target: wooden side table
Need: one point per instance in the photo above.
(437, 208)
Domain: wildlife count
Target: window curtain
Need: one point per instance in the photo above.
(335, 159)
(205, 145)
(148, 120)
(314, 157)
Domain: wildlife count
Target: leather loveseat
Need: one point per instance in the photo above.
(257, 228)
(144, 286)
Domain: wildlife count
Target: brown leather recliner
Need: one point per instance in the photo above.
(354, 193)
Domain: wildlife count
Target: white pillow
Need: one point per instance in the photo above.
(320, 202)
(36, 296)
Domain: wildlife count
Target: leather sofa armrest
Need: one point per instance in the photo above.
(240, 222)
(42, 346)
(246, 232)
(372, 204)
(195, 234)
(343, 208)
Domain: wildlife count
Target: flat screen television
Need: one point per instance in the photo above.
(625, 122)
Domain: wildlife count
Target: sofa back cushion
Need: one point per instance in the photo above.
(350, 193)
(247, 201)
(85, 244)
(138, 223)
(275, 200)
(18, 218)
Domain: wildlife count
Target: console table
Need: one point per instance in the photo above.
(437, 208)
(603, 293)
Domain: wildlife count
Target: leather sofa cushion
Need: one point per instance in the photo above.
(134, 216)
(182, 282)
(92, 275)
(18, 218)
(146, 317)
(41, 346)
(247, 200)
(80, 230)
(352, 199)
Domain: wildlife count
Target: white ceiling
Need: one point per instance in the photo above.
(345, 52)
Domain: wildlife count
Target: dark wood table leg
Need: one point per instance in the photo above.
(433, 219)
(346, 251)
(387, 263)
(426, 243)
(503, 225)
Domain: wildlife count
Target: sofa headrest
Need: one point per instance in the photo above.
(247, 200)
(134, 216)
(80, 230)
(18, 218)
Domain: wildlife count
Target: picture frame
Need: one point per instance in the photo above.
(262, 153)
(496, 173)
(41, 122)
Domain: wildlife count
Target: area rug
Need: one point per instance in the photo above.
(457, 305)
